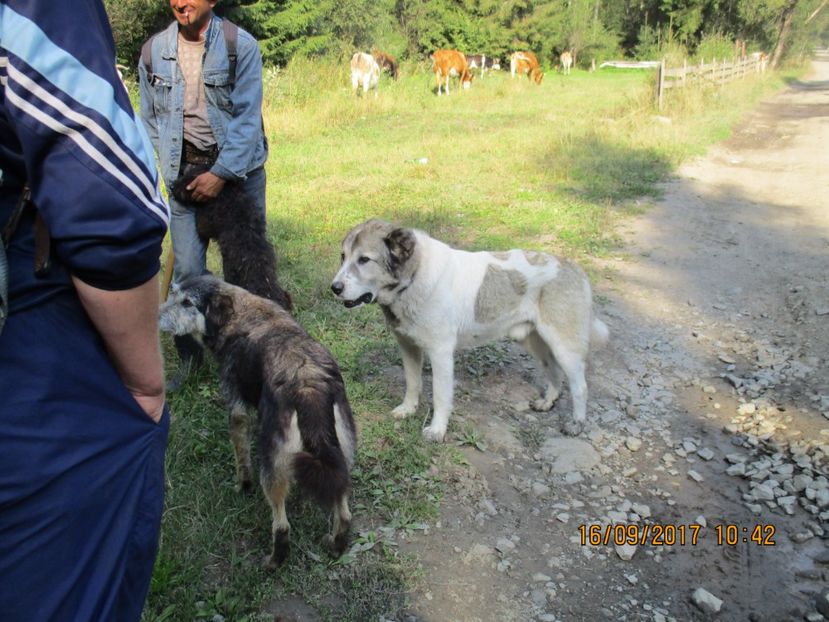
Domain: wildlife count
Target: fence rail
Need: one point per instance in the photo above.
(713, 73)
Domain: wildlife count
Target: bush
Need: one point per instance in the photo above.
(715, 45)
(133, 21)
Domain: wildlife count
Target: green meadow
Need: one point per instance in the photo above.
(506, 164)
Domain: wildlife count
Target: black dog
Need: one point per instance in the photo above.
(232, 219)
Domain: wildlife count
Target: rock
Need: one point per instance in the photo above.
(573, 477)
(568, 454)
(504, 545)
(642, 510)
(625, 551)
(748, 408)
(695, 476)
(540, 577)
(822, 603)
(616, 517)
(705, 453)
(540, 489)
(737, 470)
(633, 443)
(488, 506)
(480, 553)
(706, 601)
(539, 598)
(762, 492)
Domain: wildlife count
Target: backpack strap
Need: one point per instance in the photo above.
(147, 56)
(11, 224)
(42, 239)
(231, 33)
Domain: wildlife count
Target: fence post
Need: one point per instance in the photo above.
(660, 84)
(684, 71)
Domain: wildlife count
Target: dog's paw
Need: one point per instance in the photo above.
(571, 427)
(546, 401)
(245, 486)
(542, 404)
(336, 545)
(403, 411)
(434, 434)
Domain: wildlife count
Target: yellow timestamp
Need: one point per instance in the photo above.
(674, 534)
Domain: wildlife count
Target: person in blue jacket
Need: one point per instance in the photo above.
(83, 422)
(202, 104)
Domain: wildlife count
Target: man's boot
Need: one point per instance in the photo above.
(191, 356)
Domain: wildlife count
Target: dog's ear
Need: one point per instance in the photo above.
(400, 243)
(219, 310)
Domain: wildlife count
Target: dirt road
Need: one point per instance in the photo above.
(709, 413)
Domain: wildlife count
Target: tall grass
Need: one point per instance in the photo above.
(506, 164)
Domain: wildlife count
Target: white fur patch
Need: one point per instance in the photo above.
(344, 436)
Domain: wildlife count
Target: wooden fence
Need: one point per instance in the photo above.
(713, 73)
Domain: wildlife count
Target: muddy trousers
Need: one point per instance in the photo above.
(81, 474)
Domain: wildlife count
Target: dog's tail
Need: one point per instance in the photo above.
(599, 334)
(322, 469)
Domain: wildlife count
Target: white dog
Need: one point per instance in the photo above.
(437, 299)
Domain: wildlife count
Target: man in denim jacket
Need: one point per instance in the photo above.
(194, 114)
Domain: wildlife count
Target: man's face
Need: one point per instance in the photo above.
(192, 15)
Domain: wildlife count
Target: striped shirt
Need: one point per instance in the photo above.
(68, 128)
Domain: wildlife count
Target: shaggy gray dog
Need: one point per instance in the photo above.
(267, 361)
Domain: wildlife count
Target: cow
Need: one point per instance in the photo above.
(566, 62)
(450, 63)
(482, 62)
(526, 63)
(761, 58)
(364, 71)
(386, 62)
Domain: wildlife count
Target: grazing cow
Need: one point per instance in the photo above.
(482, 62)
(761, 58)
(450, 63)
(566, 62)
(364, 71)
(526, 63)
(386, 62)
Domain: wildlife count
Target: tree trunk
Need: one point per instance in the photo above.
(785, 31)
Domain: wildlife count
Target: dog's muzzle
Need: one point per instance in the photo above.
(362, 300)
(337, 287)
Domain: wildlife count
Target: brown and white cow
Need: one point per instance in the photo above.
(566, 62)
(386, 62)
(526, 63)
(482, 62)
(365, 72)
(450, 63)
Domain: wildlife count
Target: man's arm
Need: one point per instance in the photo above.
(127, 321)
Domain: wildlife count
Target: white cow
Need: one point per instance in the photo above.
(364, 71)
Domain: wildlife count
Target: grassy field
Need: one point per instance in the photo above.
(506, 164)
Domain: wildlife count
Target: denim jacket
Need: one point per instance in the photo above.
(234, 111)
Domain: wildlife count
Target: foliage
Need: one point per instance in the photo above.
(133, 21)
(412, 29)
(715, 45)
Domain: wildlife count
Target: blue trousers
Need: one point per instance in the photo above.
(189, 248)
(81, 474)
